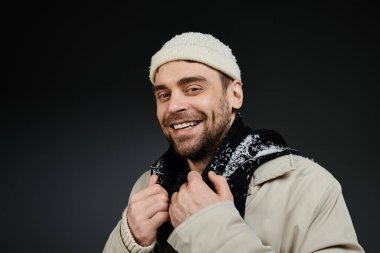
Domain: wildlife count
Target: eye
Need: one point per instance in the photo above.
(163, 95)
(193, 90)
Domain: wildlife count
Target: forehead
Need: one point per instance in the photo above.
(174, 71)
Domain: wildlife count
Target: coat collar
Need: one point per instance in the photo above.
(273, 169)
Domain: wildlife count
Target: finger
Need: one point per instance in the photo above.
(174, 197)
(221, 186)
(183, 186)
(153, 179)
(172, 216)
(147, 208)
(157, 207)
(147, 192)
(193, 176)
(159, 218)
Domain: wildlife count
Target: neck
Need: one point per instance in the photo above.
(200, 165)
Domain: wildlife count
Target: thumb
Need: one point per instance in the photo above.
(153, 179)
(221, 186)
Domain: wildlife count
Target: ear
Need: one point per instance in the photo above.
(235, 93)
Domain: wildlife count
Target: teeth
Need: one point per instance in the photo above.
(184, 125)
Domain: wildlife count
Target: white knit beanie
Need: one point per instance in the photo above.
(198, 47)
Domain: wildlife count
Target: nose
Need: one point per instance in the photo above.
(177, 102)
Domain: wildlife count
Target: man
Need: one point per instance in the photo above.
(222, 187)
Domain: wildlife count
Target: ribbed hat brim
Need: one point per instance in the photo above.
(224, 63)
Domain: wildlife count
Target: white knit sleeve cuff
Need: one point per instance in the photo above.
(129, 241)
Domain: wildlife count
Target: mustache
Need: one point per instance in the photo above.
(183, 116)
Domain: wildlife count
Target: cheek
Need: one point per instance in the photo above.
(160, 116)
(208, 106)
(204, 104)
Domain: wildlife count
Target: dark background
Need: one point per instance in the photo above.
(78, 119)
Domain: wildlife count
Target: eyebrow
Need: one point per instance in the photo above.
(159, 87)
(181, 82)
(191, 79)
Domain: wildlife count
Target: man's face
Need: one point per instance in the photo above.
(193, 109)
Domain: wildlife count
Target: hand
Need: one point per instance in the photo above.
(196, 194)
(147, 210)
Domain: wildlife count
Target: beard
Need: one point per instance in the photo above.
(205, 144)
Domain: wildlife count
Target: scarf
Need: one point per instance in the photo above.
(241, 151)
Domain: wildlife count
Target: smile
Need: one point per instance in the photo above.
(185, 125)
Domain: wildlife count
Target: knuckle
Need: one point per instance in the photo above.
(156, 187)
(132, 198)
(164, 192)
(163, 197)
(196, 184)
(182, 188)
(162, 205)
(131, 206)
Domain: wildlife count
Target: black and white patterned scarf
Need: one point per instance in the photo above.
(240, 153)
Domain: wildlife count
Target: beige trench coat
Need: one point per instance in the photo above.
(293, 205)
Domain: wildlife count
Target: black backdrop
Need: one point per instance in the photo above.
(78, 117)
